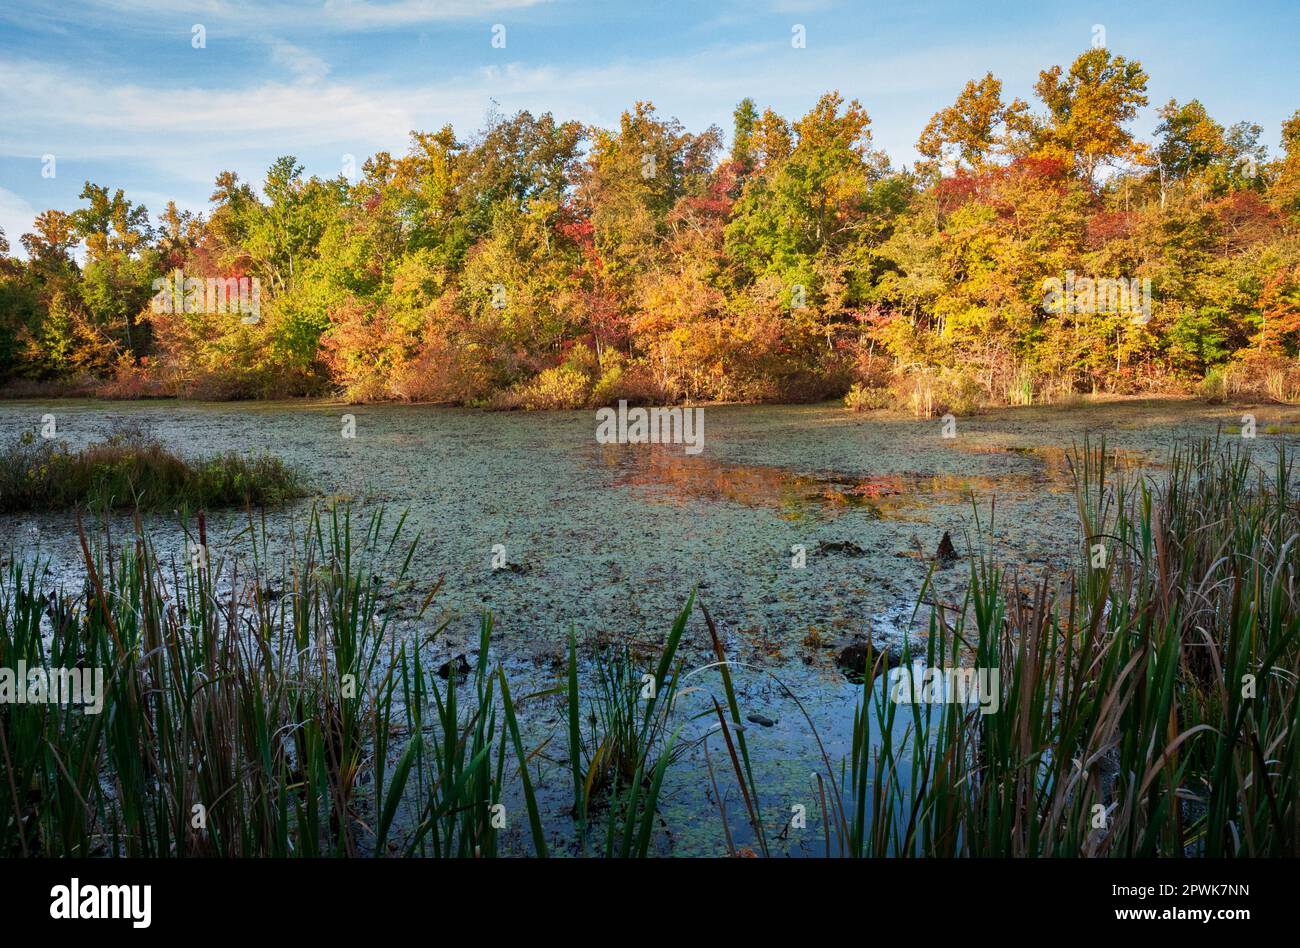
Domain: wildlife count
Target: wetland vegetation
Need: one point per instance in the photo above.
(1149, 702)
(130, 470)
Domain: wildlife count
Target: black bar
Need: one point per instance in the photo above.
(357, 898)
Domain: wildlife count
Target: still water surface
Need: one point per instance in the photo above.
(611, 539)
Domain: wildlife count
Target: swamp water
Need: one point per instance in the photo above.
(611, 539)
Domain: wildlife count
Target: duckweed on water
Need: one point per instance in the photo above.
(1149, 706)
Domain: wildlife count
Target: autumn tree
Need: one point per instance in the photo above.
(1089, 109)
(117, 282)
(1287, 189)
(178, 236)
(975, 127)
(52, 239)
(632, 179)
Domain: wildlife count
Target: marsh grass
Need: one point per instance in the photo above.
(236, 721)
(1148, 703)
(269, 713)
(622, 745)
(244, 715)
(133, 471)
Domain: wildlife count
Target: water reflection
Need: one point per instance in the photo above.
(665, 475)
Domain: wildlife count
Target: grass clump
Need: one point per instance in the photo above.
(244, 713)
(863, 398)
(620, 757)
(132, 470)
(1147, 706)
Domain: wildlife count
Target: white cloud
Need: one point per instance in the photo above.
(249, 17)
(800, 6)
(16, 217)
(73, 115)
(186, 133)
(304, 64)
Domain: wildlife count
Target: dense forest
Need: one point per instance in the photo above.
(542, 263)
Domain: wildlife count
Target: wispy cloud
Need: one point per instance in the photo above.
(69, 113)
(16, 216)
(190, 128)
(193, 130)
(303, 63)
(251, 17)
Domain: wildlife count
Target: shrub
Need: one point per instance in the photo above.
(630, 380)
(557, 388)
(1214, 387)
(927, 392)
(442, 372)
(610, 383)
(862, 398)
(873, 370)
(584, 380)
(1262, 374)
(131, 380)
(131, 470)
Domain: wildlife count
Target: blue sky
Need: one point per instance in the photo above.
(116, 91)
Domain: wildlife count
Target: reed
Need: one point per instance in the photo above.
(1148, 702)
(243, 714)
(620, 756)
(274, 713)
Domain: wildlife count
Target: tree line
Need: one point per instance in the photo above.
(542, 263)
